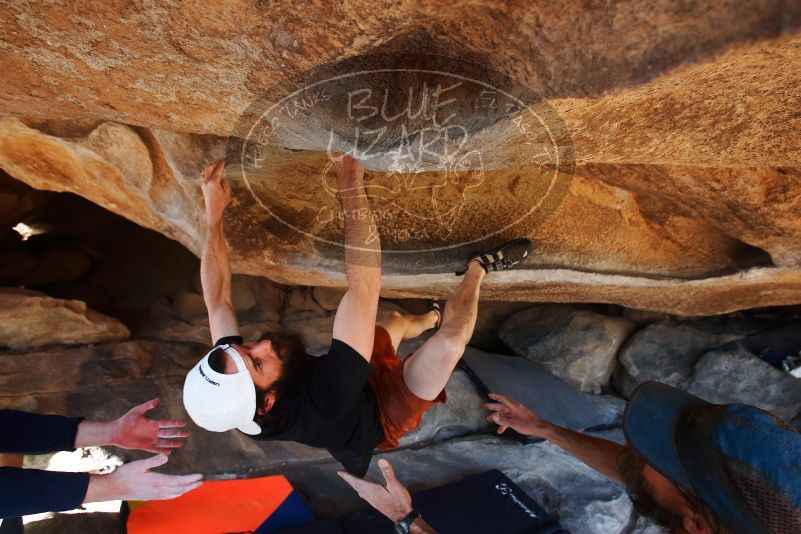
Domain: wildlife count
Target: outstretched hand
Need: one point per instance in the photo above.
(393, 500)
(135, 482)
(134, 431)
(507, 413)
(216, 191)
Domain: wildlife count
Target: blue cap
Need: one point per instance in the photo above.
(743, 462)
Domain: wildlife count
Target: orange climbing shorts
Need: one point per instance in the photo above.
(400, 410)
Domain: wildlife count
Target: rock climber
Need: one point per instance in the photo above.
(360, 395)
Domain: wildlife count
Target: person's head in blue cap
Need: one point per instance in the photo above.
(715, 468)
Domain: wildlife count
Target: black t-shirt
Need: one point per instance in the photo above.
(335, 408)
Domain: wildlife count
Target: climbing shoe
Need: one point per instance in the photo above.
(505, 257)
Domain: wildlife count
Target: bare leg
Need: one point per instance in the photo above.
(427, 371)
(402, 326)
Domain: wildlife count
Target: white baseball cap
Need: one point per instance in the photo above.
(219, 402)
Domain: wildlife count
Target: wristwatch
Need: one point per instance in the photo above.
(403, 526)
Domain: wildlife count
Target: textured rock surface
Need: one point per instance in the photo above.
(301, 304)
(677, 121)
(642, 317)
(681, 119)
(112, 166)
(328, 297)
(576, 345)
(198, 331)
(314, 332)
(733, 374)
(667, 351)
(315, 326)
(31, 319)
(77, 370)
(182, 317)
(491, 315)
(192, 68)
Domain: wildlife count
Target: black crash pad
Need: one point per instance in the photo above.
(487, 503)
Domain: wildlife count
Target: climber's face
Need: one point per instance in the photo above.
(262, 360)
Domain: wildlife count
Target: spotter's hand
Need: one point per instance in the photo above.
(135, 481)
(393, 500)
(134, 431)
(507, 413)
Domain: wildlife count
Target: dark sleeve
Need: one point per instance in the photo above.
(31, 491)
(30, 433)
(227, 340)
(338, 380)
(12, 525)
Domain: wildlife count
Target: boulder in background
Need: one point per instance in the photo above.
(732, 374)
(305, 318)
(328, 297)
(31, 319)
(578, 346)
(643, 317)
(667, 351)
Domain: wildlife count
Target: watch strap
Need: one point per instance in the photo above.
(403, 526)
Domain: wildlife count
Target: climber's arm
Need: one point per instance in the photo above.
(354, 323)
(215, 269)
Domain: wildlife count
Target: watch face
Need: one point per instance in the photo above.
(403, 526)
